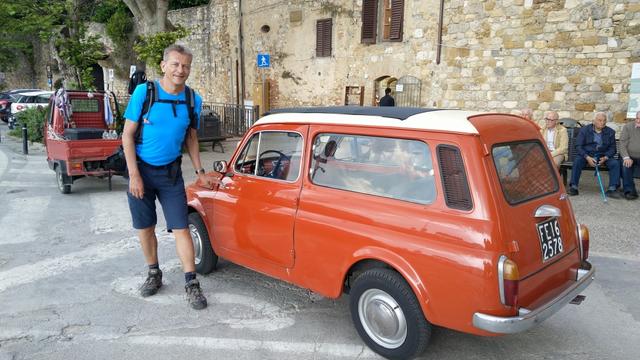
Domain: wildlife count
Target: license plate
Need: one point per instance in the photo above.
(550, 239)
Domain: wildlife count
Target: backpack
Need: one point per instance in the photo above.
(137, 78)
(152, 97)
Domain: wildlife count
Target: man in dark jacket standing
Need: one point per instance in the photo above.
(387, 99)
(596, 145)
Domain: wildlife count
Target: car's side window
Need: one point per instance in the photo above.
(272, 154)
(395, 168)
(246, 162)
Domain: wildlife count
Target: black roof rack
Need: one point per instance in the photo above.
(400, 113)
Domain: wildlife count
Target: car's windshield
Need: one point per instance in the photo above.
(524, 171)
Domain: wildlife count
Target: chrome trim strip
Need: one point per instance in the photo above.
(547, 211)
(527, 318)
(501, 277)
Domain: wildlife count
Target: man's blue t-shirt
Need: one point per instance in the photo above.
(163, 133)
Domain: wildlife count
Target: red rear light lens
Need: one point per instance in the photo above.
(19, 107)
(509, 280)
(583, 237)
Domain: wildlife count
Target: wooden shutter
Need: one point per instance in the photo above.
(323, 38)
(369, 21)
(397, 18)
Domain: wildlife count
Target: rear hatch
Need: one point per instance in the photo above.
(537, 221)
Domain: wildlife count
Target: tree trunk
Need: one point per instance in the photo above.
(151, 15)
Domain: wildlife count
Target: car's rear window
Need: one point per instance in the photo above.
(85, 105)
(524, 171)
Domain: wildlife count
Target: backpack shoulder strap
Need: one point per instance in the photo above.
(190, 97)
(151, 96)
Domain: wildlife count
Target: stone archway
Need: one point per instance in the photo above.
(380, 84)
(98, 77)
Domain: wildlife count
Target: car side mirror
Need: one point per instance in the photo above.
(220, 166)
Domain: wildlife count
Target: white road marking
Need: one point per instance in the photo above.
(209, 343)
(25, 274)
(21, 184)
(31, 171)
(268, 317)
(19, 217)
(111, 213)
(261, 316)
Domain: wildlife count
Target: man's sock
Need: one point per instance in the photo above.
(188, 276)
(154, 266)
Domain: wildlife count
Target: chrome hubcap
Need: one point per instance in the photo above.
(197, 243)
(382, 318)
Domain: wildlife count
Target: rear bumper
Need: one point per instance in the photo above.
(526, 318)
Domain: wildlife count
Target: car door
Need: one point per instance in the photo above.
(255, 206)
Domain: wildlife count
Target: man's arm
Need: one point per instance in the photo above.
(136, 185)
(193, 148)
(624, 143)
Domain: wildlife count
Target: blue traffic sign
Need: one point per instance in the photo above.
(263, 61)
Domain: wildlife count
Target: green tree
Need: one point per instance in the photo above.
(23, 22)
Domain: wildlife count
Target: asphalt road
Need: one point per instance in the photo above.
(70, 267)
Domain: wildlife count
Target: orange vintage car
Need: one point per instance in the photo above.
(424, 217)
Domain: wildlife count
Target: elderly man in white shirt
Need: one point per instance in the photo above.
(555, 136)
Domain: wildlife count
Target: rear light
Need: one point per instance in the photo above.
(19, 107)
(76, 165)
(508, 277)
(583, 239)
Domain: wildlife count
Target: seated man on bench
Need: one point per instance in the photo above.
(630, 153)
(596, 146)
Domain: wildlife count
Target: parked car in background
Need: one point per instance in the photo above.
(6, 98)
(27, 100)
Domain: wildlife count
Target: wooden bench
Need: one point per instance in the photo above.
(572, 133)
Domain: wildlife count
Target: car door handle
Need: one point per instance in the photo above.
(547, 211)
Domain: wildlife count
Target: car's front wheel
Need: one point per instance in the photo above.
(387, 314)
(205, 258)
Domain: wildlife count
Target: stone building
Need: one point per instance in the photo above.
(574, 56)
(567, 55)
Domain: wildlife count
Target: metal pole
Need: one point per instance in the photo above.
(25, 145)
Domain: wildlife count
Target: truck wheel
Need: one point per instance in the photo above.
(205, 258)
(387, 314)
(63, 181)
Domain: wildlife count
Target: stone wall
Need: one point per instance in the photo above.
(498, 55)
(572, 56)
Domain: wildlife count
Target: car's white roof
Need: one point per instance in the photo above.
(36, 93)
(439, 120)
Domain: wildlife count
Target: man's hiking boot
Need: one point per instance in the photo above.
(152, 284)
(194, 295)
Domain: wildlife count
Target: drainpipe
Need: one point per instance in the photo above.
(241, 50)
(439, 48)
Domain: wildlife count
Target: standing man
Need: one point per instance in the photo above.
(154, 166)
(630, 153)
(387, 100)
(556, 138)
(596, 145)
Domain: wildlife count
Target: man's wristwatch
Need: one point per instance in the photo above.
(200, 171)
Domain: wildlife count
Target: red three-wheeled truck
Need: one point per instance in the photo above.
(79, 134)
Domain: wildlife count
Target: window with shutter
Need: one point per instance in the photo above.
(323, 38)
(369, 21)
(397, 18)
